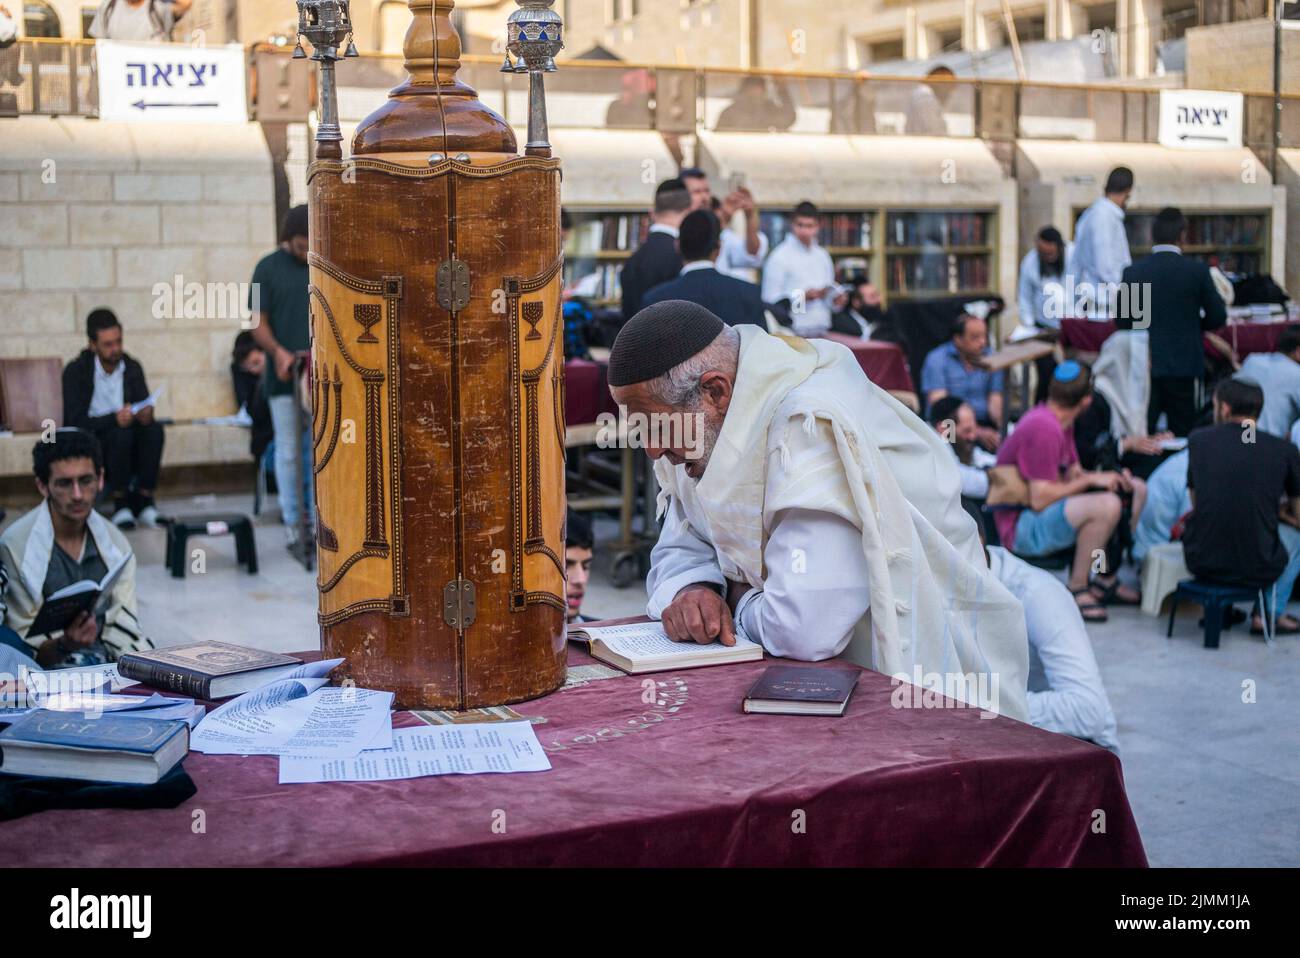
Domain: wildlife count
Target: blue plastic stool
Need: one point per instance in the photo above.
(1214, 597)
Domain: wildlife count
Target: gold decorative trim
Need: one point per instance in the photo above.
(349, 562)
(355, 283)
(361, 163)
(546, 599)
(387, 606)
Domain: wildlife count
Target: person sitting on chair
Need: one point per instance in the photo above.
(1239, 533)
(953, 370)
(1066, 505)
(100, 390)
(954, 420)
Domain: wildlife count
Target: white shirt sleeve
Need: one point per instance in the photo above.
(1027, 294)
(735, 255)
(816, 588)
(776, 279)
(98, 28)
(1114, 254)
(680, 558)
(974, 481)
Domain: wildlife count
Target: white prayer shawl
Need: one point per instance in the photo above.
(25, 550)
(934, 606)
(1121, 375)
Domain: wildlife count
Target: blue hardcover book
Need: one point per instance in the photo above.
(103, 748)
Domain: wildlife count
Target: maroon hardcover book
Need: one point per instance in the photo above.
(800, 690)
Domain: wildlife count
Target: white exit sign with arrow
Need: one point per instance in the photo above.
(1201, 119)
(171, 82)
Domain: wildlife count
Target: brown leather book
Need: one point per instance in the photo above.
(801, 690)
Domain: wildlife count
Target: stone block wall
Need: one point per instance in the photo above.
(105, 214)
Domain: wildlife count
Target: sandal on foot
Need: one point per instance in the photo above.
(1110, 593)
(1280, 627)
(1090, 611)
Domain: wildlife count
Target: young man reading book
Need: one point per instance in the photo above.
(61, 542)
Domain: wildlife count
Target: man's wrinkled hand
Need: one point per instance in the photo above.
(699, 614)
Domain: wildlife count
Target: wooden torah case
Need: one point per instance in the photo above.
(438, 362)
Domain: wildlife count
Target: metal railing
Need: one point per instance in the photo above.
(50, 77)
(58, 77)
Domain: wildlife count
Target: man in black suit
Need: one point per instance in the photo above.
(656, 260)
(1181, 304)
(101, 388)
(732, 300)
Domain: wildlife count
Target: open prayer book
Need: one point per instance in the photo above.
(62, 608)
(638, 647)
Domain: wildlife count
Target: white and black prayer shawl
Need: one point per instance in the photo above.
(25, 551)
(935, 609)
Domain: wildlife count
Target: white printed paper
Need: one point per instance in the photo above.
(151, 400)
(296, 715)
(432, 750)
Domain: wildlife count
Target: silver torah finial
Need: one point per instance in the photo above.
(535, 34)
(327, 24)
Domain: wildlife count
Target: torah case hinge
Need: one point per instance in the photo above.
(458, 609)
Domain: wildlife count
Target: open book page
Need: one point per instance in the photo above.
(642, 640)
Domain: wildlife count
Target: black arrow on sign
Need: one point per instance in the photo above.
(1196, 136)
(141, 105)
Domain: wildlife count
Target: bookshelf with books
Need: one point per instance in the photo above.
(599, 242)
(906, 253)
(935, 253)
(1236, 240)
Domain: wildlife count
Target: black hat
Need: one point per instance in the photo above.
(658, 338)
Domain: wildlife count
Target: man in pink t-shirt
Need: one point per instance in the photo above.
(1067, 506)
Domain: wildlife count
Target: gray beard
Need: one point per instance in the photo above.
(708, 438)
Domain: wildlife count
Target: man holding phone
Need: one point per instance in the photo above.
(740, 255)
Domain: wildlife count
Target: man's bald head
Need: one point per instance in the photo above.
(677, 361)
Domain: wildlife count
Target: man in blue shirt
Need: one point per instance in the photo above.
(952, 370)
(1167, 501)
(1278, 374)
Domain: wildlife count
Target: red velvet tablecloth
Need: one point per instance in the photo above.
(1087, 336)
(687, 780)
(884, 363)
(586, 394)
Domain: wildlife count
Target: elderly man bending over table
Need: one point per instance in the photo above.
(807, 509)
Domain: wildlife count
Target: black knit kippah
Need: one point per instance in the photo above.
(658, 338)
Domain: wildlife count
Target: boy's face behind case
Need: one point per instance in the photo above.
(577, 570)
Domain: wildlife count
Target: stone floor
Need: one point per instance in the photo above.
(1213, 780)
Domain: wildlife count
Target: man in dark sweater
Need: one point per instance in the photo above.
(1182, 303)
(1240, 532)
(657, 259)
(101, 389)
(732, 300)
